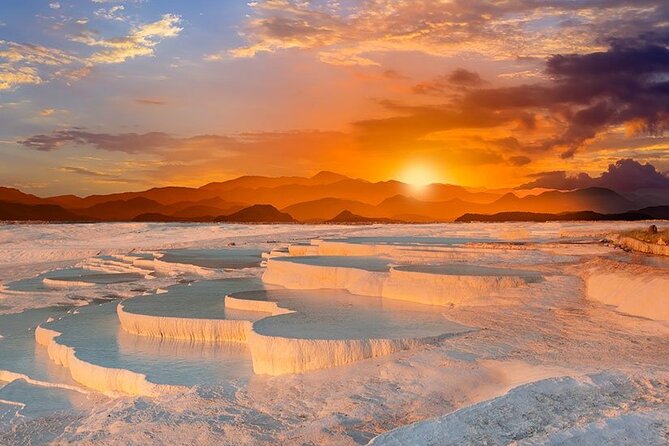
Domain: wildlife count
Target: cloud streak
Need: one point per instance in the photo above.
(141, 41)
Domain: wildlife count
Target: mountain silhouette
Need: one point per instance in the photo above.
(258, 213)
(320, 198)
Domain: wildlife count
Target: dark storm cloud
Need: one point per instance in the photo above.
(624, 175)
(585, 95)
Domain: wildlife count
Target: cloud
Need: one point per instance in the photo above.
(465, 78)
(47, 112)
(149, 101)
(625, 175)
(584, 97)
(182, 156)
(97, 176)
(26, 64)
(24, 53)
(126, 142)
(54, 5)
(459, 78)
(11, 77)
(113, 13)
(519, 160)
(141, 41)
(352, 33)
(83, 171)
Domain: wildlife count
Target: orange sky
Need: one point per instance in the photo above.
(124, 95)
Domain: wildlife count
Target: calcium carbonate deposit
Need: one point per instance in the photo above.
(140, 333)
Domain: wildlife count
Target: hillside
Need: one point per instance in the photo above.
(36, 212)
(543, 217)
(258, 213)
(347, 217)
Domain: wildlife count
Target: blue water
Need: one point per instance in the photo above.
(18, 351)
(203, 300)
(96, 335)
(232, 258)
(358, 262)
(72, 274)
(414, 241)
(337, 314)
(462, 269)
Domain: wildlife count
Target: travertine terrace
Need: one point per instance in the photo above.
(501, 317)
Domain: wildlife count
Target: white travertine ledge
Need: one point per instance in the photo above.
(110, 381)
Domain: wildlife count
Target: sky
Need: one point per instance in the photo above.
(98, 96)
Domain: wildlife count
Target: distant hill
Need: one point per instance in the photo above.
(543, 217)
(328, 208)
(657, 212)
(121, 210)
(591, 199)
(11, 195)
(401, 205)
(347, 217)
(199, 211)
(162, 218)
(324, 196)
(35, 212)
(151, 217)
(258, 213)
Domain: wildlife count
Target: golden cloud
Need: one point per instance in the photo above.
(350, 34)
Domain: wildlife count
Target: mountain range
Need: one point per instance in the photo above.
(325, 197)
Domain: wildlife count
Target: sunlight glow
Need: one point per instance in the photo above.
(419, 175)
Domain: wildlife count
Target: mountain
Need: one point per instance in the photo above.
(564, 216)
(347, 217)
(325, 195)
(594, 199)
(260, 182)
(35, 212)
(11, 195)
(657, 212)
(401, 207)
(199, 211)
(328, 208)
(282, 194)
(326, 177)
(162, 195)
(121, 210)
(258, 213)
(164, 218)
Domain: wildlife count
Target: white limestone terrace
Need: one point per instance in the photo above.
(71, 278)
(332, 328)
(286, 331)
(611, 386)
(101, 356)
(193, 311)
(640, 289)
(488, 250)
(453, 284)
(194, 263)
(446, 284)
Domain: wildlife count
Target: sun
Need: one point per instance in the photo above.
(419, 175)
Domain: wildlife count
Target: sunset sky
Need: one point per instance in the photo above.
(110, 95)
